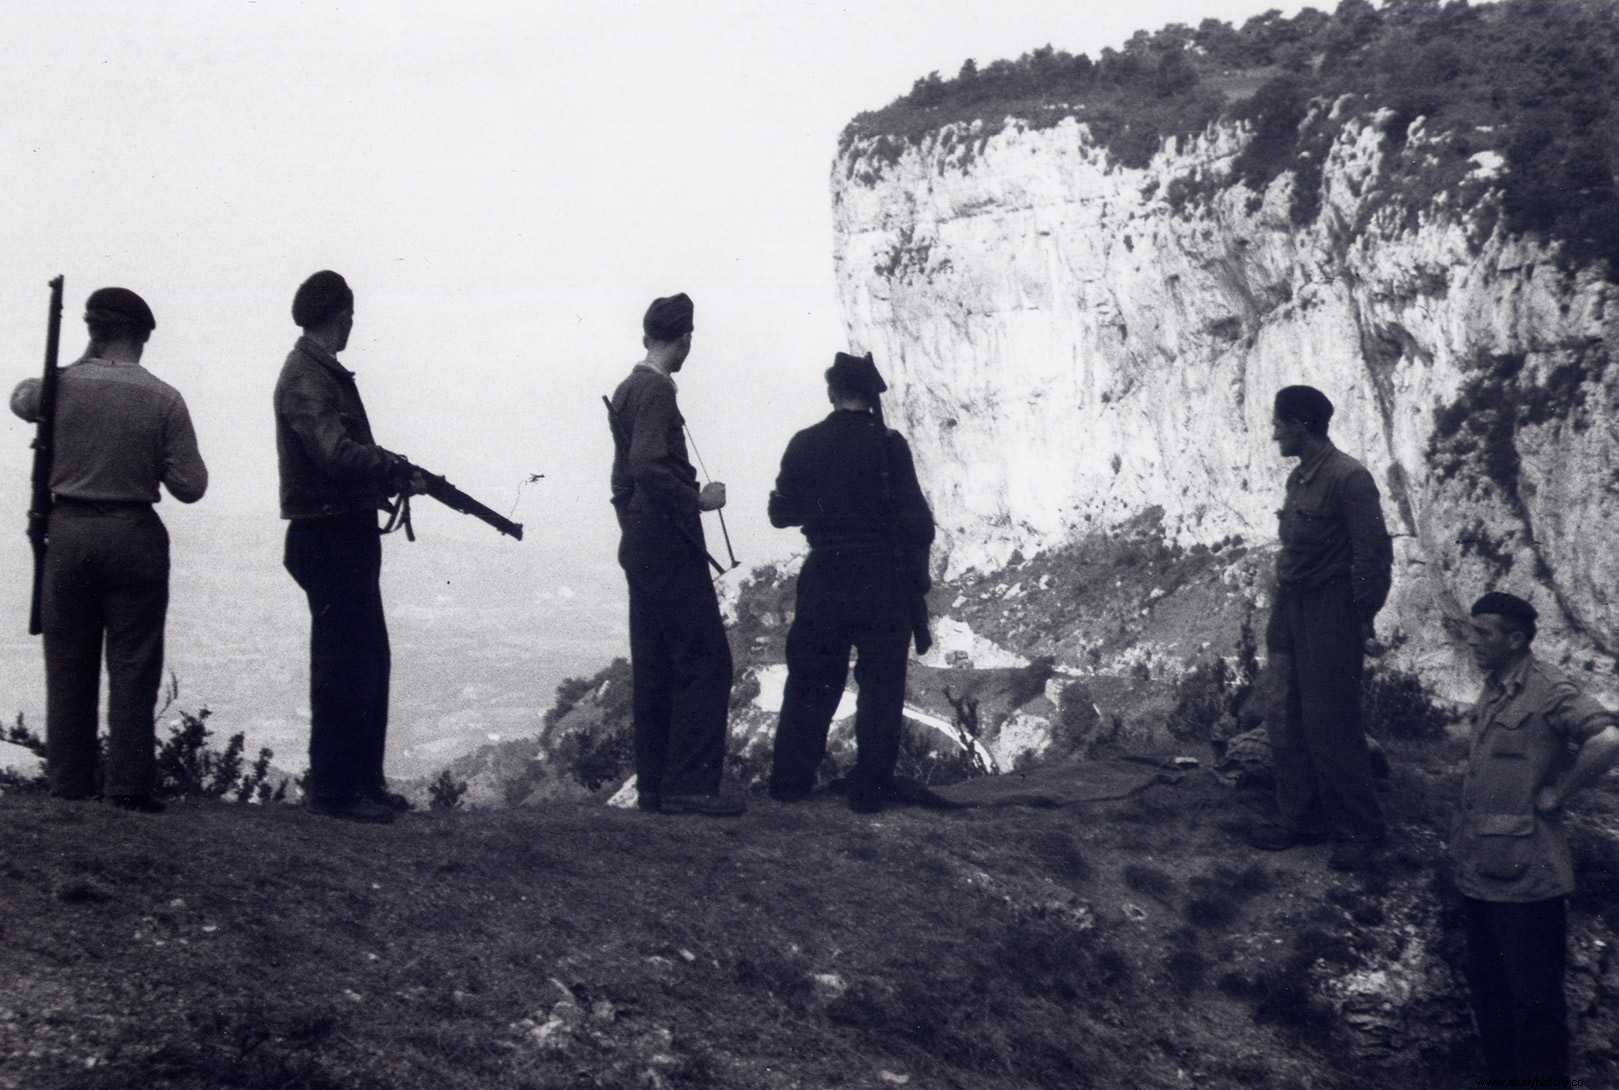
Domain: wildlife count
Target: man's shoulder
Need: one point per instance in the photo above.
(1546, 678)
(643, 384)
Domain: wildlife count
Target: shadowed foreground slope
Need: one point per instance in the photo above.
(1034, 940)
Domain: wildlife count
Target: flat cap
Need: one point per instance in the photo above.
(119, 306)
(1507, 605)
(857, 373)
(1303, 403)
(319, 297)
(669, 318)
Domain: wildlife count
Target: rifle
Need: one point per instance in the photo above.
(403, 472)
(39, 507)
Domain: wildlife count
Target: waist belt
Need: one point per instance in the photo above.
(101, 507)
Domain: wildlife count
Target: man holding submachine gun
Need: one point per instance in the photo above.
(334, 480)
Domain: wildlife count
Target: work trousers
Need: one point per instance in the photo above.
(1516, 953)
(106, 582)
(1322, 765)
(680, 662)
(337, 562)
(847, 600)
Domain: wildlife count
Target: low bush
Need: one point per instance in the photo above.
(1396, 705)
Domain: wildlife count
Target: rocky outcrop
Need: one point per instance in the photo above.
(1070, 342)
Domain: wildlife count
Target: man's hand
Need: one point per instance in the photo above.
(1369, 642)
(712, 496)
(1548, 800)
(417, 483)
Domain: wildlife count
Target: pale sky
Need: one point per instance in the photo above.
(505, 188)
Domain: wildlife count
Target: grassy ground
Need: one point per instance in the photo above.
(1079, 926)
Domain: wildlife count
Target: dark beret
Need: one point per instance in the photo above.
(1303, 403)
(1506, 605)
(668, 318)
(119, 306)
(319, 297)
(857, 373)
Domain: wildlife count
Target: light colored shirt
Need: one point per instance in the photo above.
(120, 431)
(1527, 726)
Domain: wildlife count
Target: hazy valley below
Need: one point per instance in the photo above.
(481, 631)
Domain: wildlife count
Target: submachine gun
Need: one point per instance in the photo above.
(39, 506)
(405, 478)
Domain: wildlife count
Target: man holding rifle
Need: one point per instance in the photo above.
(679, 657)
(116, 432)
(334, 479)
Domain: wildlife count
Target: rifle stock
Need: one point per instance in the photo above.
(39, 507)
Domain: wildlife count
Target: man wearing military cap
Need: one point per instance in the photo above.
(1333, 575)
(119, 432)
(334, 478)
(1536, 741)
(680, 661)
(849, 481)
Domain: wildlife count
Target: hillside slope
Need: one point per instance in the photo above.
(1091, 925)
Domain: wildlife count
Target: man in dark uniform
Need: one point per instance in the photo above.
(334, 478)
(680, 661)
(119, 432)
(850, 483)
(1333, 576)
(1536, 740)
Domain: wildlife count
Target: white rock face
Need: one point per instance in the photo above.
(1066, 349)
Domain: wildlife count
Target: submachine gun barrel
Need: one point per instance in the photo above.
(404, 471)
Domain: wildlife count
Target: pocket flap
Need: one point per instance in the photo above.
(1504, 824)
(1509, 743)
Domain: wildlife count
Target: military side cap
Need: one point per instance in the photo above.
(1303, 403)
(320, 297)
(1506, 605)
(119, 306)
(669, 318)
(858, 373)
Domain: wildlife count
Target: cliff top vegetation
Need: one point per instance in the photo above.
(1536, 81)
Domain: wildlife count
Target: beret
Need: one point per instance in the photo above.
(319, 297)
(1303, 403)
(119, 306)
(1505, 605)
(858, 373)
(668, 318)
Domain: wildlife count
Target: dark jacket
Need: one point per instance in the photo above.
(654, 484)
(1332, 528)
(831, 484)
(329, 463)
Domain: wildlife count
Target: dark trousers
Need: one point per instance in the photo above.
(337, 562)
(1515, 959)
(1322, 766)
(846, 600)
(680, 663)
(106, 581)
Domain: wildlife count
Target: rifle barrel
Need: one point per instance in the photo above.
(39, 507)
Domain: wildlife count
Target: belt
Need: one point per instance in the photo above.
(74, 503)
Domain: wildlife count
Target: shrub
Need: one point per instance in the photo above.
(445, 792)
(1030, 681)
(1395, 704)
(1202, 698)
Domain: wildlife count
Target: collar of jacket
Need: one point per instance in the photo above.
(315, 352)
(651, 370)
(1511, 682)
(1306, 471)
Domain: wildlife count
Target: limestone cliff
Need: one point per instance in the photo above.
(1070, 341)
